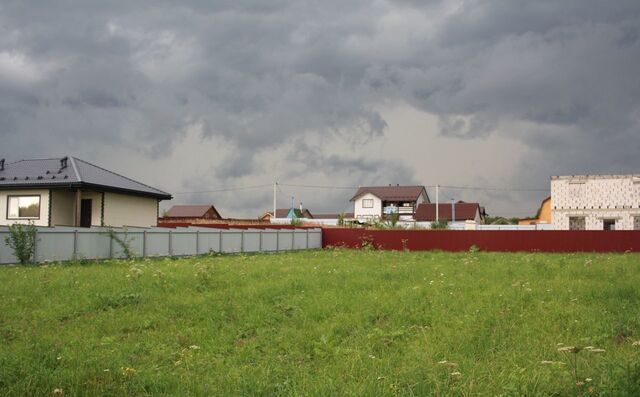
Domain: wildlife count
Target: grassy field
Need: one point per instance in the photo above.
(334, 322)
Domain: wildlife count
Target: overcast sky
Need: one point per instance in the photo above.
(205, 95)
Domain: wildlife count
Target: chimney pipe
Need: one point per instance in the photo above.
(63, 162)
(1, 164)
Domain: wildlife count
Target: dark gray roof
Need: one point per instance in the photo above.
(77, 173)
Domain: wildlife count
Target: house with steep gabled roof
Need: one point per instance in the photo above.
(287, 213)
(69, 191)
(542, 216)
(375, 202)
(190, 212)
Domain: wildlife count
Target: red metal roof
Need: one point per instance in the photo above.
(189, 211)
(347, 215)
(426, 212)
(392, 193)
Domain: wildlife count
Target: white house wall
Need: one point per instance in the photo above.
(595, 198)
(44, 206)
(366, 213)
(126, 210)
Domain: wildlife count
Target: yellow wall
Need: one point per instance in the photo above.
(62, 207)
(126, 210)
(545, 211)
(544, 215)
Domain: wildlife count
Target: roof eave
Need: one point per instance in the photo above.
(162, 196)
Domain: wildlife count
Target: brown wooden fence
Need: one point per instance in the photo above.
(500, 241)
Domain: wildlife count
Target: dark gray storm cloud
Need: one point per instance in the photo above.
(299, 89)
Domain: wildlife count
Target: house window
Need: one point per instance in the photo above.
(608, 224)
(636, 223)
(577, 223)
(23, 207)
(367, 203)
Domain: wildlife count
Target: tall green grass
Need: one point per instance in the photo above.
(333, 322)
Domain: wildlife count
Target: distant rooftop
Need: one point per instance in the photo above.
(392, 193)
(190, 211)
(70, 172)
(426, 212)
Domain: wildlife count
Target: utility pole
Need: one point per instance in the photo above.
(453, 210)
(437, 205)
(275, 193)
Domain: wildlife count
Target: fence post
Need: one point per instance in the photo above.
(170, 243)
(277, 240)
(144, 243)
(197, 242)
(75, 244)
(220, 241)
(293, 239)
(35, 246)
(307, 238)
(260, 239)
(242, 240)
(111, 245)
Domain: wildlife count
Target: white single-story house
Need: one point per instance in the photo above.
(374, 202)
(72, 192)
(595, 202)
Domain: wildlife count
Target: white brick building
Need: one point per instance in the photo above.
(595, 202)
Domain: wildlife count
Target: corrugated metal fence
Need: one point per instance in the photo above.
(499, 240)
(67, 243)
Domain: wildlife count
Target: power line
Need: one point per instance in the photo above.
(318, 186)
(228, 189)
(429, 186)
(491, 188)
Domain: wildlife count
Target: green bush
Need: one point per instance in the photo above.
(22, 240)
(393, 219)
(441, 224)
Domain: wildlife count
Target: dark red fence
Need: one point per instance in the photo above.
(503, 240)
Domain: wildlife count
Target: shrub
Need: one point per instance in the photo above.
(393, 219)
(441, 224)
(340, 221)
(22, 240)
